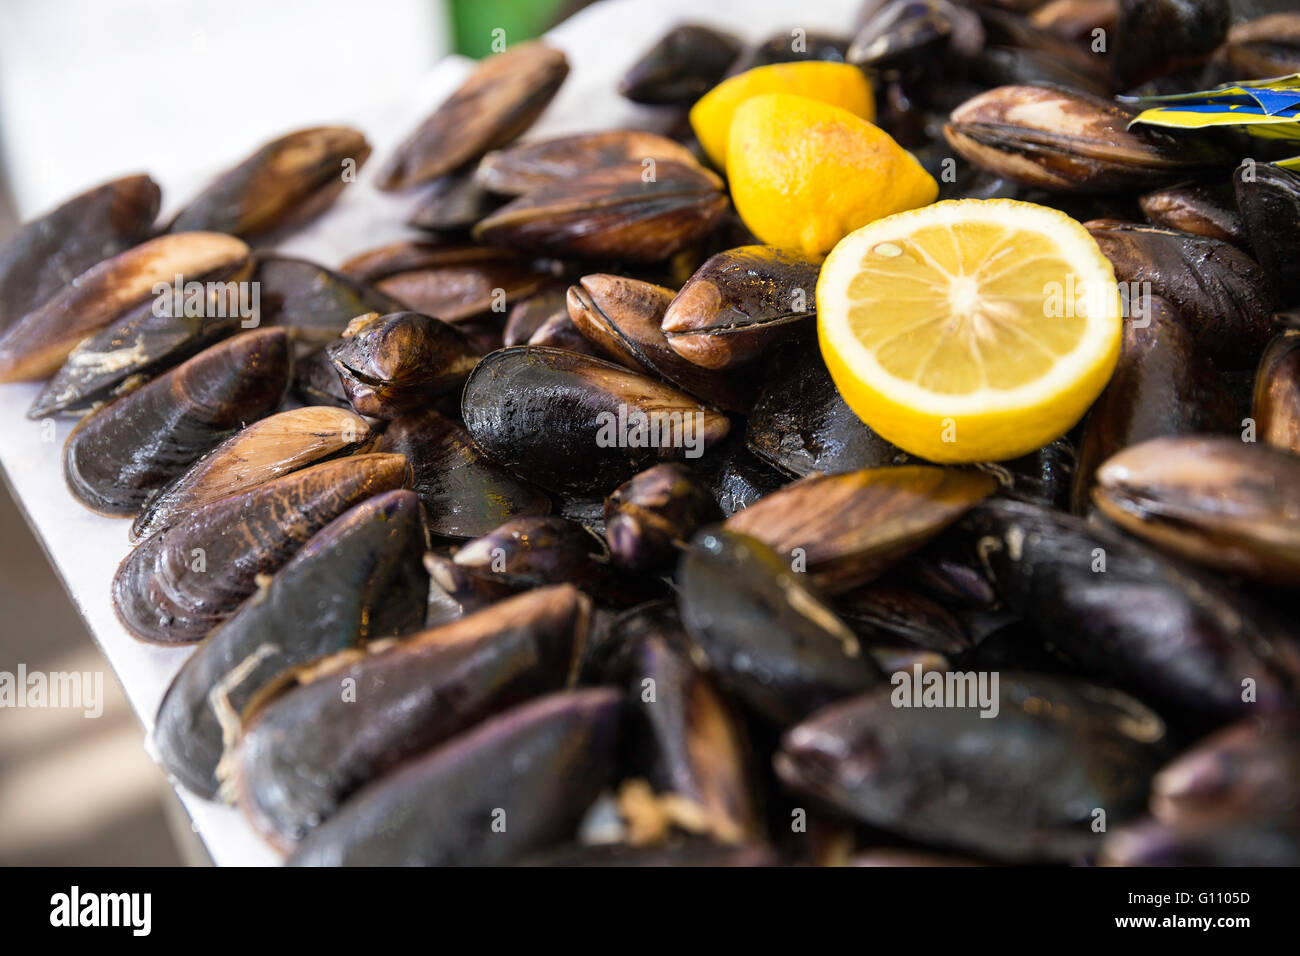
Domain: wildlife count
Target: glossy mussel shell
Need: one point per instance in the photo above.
(525, 167)
(1276, 407)
(357, 580)
(1218, 501)
(310, 749)
(47, 253)
(1269, 201)
(536, 767)
(681, 66)
(36, 345)
(656, 512)
(499, 100)
(187, 578)
(116, 458)
(315, 303)
(554, 416)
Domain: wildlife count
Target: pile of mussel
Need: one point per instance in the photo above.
(454, 601)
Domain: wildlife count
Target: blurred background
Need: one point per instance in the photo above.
(94, 89)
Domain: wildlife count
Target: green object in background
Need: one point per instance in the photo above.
(473, 22)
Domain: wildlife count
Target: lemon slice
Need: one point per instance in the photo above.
(969, 330)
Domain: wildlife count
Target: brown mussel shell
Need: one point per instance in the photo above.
(465, 494)
(541, 764)
(1196, 207)
(652, 515)
(681, 66)
(625, 212)
(740, 303)
(47, 253)
(526, 167)
(36, 345)
(845, 530)
(310, 749)
(394, 364)
(315, 303)
(184, 580)
(529, 315)
(453, 205)
(358, 579)
(1265, 48)
(267, 449)
(500, 99)
(1276, 406)
(286, 182)
(455, 293)
(119, 456)
(1221, 502)
(574, 423)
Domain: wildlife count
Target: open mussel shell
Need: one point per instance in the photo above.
(1065, 140)
(773, 644)
(310, 749)
(1123, 612)
(513, 785)
(622, 318)
(267, 449)
(1265, 47)
(1157, 37)
(1217, 501)
(184, 580)
(801, 425)
(525, 167)
(465, 494)
(628, 212)
(36, 345)
(285, 182)
(119, 456)
(681, 66)
(394, 364)
(501, 98)
(315, 303)
(740, 303)
(1220, 293)
(1276, 406)
(845, 530)
(357, 580)
(1020, 787)
(1269, 199)
(1164, 384)
(654, 513)
(540, 411)
(46, 254)
(1197, 207)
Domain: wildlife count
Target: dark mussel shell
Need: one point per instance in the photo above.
(801, 425)
(1022, 786)
(454, 204)
(465, 494)
(1219, 292)
(533, 551)
(908, 31)
(116, 458)
(681, 66)
(357, 580)
(845, 530)
(189, 577)
(560, 418)
(1276, 406)
(316, 381)
(266, 449)
(740, 303)
(628, 212)
(559, 331)
(515, 784)
(622, 318)
(35, 346)
(1265, 47)
(1163, 385)
(769, 640)
(314, 302)
(1180, 640)
(1156, 37)
(882, 613)
(47, 253)
(652, 515)
(500, 99)
(1197, 207)
(791, 46)
(310, 749)
(285, 182)
(1221, 502)
(1066, 140)
(526, 167)
(394, 364)
(741, 479)
(1269, 199)
(529, 315)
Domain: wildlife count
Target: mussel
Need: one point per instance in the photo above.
(681, 66)
(1157, 37)
(315, 303)
(525, 167)
(652, 515)
(116, 458)
(511, 786)
(357, 580)
(1276, 407)
(1265, 47)
(529, 315)
(1197, 207)
(1269, 199)
(454, 203)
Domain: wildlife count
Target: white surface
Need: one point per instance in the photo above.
(601, 42)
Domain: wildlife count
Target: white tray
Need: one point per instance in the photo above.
(601, 42)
